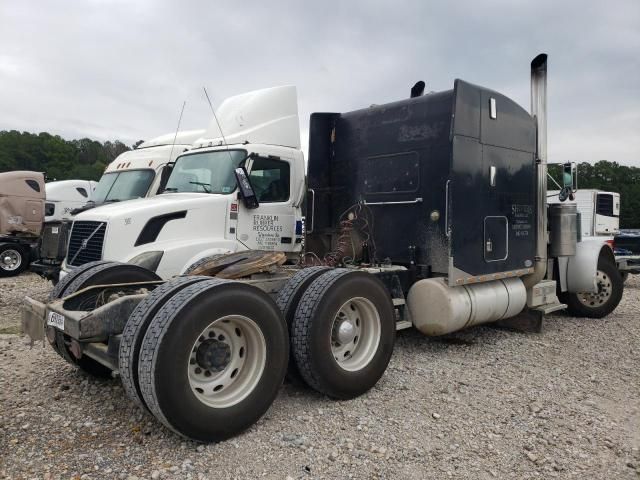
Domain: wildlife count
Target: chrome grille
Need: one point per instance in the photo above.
(85, 243)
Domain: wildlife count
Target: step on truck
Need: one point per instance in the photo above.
(429, 212)
(137, 173)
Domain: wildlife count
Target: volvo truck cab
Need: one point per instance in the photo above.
(201, 211)
(133, 174)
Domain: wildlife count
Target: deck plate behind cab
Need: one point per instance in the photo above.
(241, 264)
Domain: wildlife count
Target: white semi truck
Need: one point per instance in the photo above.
(198, 213)
(64, 196)
(429, 212)
(133, 174)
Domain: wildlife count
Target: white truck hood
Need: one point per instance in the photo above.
(201, 218)
(158, 205)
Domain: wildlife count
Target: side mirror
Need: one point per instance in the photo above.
(249, 197)
(164, 176)
(567, 175)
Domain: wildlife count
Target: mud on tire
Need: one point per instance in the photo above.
(287, 301)
(134, 331)
(188, 337)
(343, 333)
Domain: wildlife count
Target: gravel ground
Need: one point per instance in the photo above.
(484, 403)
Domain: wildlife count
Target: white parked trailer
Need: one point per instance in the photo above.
(599, 211)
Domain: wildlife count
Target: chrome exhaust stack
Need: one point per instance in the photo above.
(539, 113)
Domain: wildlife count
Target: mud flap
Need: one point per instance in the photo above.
(33, 320)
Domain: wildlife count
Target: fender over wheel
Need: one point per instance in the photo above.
(605, 300)
(96, 274)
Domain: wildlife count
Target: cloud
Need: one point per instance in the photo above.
(121, 69)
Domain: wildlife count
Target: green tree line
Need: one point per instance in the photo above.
(58, 158)
(86, 159)
(611, 177)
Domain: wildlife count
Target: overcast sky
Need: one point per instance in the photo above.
(120, 69)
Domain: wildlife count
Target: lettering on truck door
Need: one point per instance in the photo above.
(271, 226)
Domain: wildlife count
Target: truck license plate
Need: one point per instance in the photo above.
(56, 320)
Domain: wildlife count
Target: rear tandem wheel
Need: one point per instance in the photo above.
(288, 299)
(213, 358)
(343, 333)
(136, 327)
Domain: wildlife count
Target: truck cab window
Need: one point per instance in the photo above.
(124, 185)
(33, 184)
(270, 179)
(390, 174)
(205, 172)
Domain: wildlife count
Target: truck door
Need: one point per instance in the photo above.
(271, 226)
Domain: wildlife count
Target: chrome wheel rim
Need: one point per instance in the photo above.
(226, 361)
(599, 298)
(355, 334)
(10, 260)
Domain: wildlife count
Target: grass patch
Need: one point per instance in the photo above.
(10, 330)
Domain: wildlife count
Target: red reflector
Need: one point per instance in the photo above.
(609, 242)
(234, 207)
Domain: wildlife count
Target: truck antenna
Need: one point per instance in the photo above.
(224, 140)
(177, 130)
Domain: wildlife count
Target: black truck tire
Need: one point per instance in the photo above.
(14, 259)
(96, 274)
(59, 290)
(229, 328)
(343, 333)
(287, 301)
(202, 261)
(601, 304)
(136, 327)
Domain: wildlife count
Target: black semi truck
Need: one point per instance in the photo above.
(429, 212)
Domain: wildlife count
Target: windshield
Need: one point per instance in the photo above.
(208, 172)
(125, 185)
